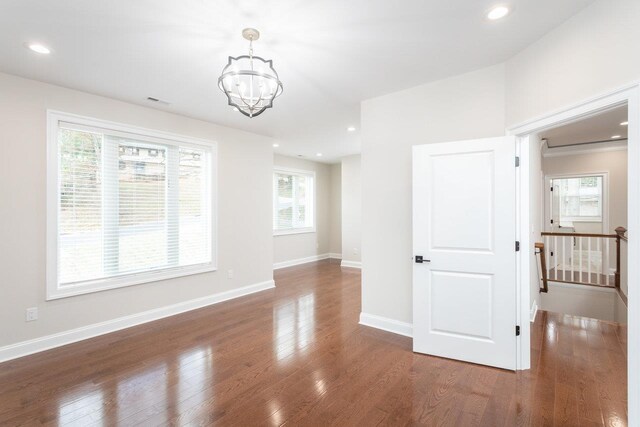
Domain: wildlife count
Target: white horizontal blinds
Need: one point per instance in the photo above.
(142, 229)
(193, 211)
(284, 203)
(129, 205)
(293, 201)
(80, 218)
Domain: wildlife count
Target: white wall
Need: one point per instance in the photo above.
(593, 52)
(584, 301)
(335, 205)
(462, 107)
(245, 163)
(292, 247)
(351, 211)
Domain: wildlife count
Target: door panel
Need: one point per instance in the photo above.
(464, 223)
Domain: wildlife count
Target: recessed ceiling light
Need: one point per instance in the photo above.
(38, 48)
(276, 145)
(319, 154)
(616, 137)
(624, 124)
(351, 129)
(498, 12)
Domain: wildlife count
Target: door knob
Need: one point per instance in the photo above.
(420, 259)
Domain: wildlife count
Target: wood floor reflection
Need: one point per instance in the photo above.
(296, 355)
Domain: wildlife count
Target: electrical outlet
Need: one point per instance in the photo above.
(229, 274)
(32, 314)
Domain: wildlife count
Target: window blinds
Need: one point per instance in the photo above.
(293, 201)
(129, 204)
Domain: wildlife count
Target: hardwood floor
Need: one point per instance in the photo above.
(297, 356)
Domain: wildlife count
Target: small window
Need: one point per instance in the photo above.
(126, 206)
(294, 201)
(580, 198)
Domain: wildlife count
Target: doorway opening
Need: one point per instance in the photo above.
(581, 252)
(578, 195)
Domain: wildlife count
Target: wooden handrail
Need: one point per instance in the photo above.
(543, 265)
(619, 236)
(606, 236)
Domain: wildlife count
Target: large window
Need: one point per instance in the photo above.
(293, 201)
(126, 206)
(580, 198)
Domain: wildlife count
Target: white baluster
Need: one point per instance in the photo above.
(588, 259)
(564, 261)
(580, 261)
(571, 257)
(605, 265)
(599, 250)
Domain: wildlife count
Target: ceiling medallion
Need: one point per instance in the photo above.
(250, 82)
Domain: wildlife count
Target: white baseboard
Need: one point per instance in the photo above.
(36, 345)
(533, 311)
(352, 264)
(314, 258)
(389, 325)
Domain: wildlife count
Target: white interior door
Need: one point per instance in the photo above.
(464, 222)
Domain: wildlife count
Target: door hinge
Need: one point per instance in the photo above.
(517, 330)
(551, 221)
(517, 161)
(517, 246)
(551, 189)
(551, 253)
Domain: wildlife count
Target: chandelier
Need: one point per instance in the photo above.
(250, 82)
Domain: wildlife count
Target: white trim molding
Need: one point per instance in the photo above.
(36, 345)
(533, 311)
(574, 150)
(386, 324)
(299, 261)
(351, 264)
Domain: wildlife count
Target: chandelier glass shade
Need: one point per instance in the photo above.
(250, 82)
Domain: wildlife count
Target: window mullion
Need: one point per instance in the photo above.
(173, 205)
(110, 206)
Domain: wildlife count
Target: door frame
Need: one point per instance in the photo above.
(629, 94)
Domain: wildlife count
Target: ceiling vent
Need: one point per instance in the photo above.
(159, 101)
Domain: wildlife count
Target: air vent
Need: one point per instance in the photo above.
(159, 101)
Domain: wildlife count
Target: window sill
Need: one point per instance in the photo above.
(293, 231)
(56, 292)
(583, 219)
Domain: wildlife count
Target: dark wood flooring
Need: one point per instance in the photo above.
(296, 356)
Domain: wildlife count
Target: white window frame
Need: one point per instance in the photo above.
(54, 290)
(605, 195)
(299, 172)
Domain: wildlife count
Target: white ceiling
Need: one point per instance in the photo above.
(330, 54)
(598, 128)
